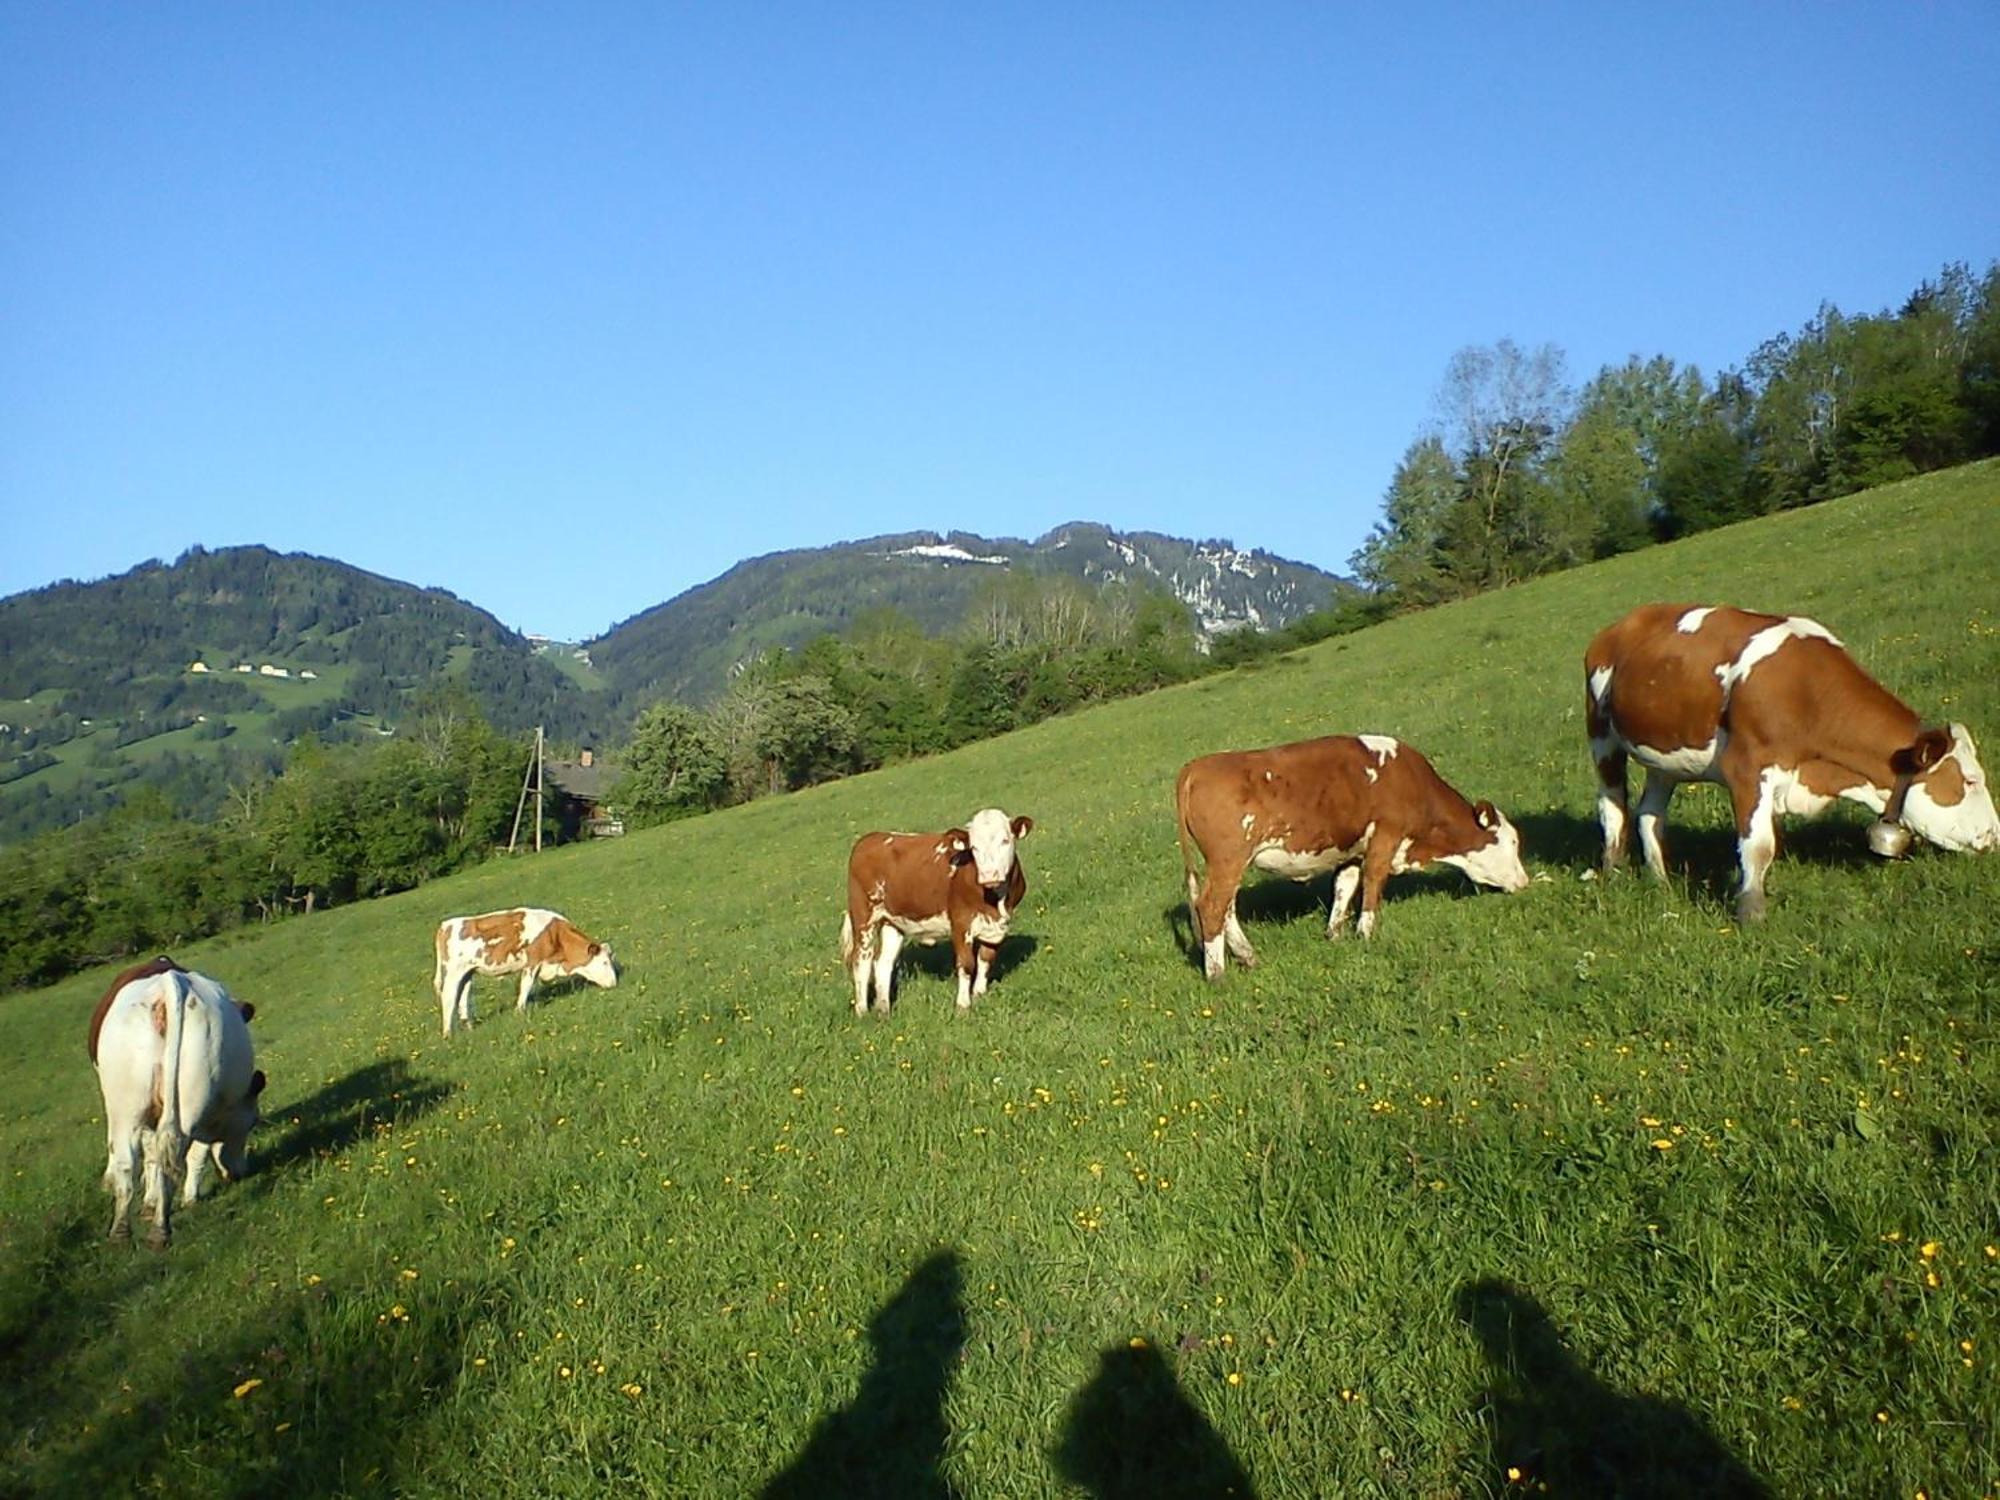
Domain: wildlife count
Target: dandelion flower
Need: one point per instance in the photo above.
(247, 1387)
(1236, 1377)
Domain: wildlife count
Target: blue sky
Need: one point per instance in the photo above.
(567, 309)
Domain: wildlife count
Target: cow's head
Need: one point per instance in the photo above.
(232, 1150)
(600, 968)
(987, 842)
(1496, 859)
(1944, 792)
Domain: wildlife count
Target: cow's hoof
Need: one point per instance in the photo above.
(120, 1230)
(157, 1238)
(1749, 908)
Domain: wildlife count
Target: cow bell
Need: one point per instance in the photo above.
(1890, 840)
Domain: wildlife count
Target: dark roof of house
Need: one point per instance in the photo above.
(588, 783)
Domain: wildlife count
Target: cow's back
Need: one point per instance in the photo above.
(1311, 788)
(1657, 681)
(1675, 675)
(907, 874)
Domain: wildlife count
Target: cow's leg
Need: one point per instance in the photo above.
(1239, 945)
(451, 996)
(1653, 821)
(1212, 912)
(861, 961)
(159, 1192)
(962, 950)
(465, 996)
(197, 1167)
(888, 943)
(1376, 862)
(1609, 757)
(1756, 800)
(119, 1172)
(1346, 881)
(527, 988)
(982, 960)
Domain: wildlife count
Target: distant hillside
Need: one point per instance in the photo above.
(685, 647)
(100, 687)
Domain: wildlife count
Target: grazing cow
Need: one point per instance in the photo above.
(180, 1083)
(964, 884)
(523, 940)
(1772, 707)
(1365, 805)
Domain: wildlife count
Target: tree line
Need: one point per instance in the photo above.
(1031, 646)
(337, 823)
(1519, 475)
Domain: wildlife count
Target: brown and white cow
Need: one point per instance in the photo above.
(964, 884)
(1367, 806)
(1773, 708)
(524, 940)
(180, 1082)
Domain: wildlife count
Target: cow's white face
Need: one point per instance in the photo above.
(992, 836)
(601, 971)
(1497, 862)
(1951, 803)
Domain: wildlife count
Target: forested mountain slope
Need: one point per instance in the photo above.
(686, 647)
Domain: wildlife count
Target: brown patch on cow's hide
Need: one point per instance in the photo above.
(498, 933)
(561, 944)
(159, 1016)
(146, 970)
(1824, 779)
(1946, 783)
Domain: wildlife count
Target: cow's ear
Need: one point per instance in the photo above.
(1925, 751)
(1023, 827)
(248, 1010)
(257, 1082)
(1486, 812)
(958, 845)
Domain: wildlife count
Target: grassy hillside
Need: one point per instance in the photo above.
(1582, 1187)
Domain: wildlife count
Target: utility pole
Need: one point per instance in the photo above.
(532, 777)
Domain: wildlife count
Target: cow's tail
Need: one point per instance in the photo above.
(1186, 835)
(170, 1138)
(847, 939)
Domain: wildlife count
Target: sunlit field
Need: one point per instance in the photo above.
(1581, 1191)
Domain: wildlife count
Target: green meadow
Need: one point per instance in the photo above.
(1582, 1191)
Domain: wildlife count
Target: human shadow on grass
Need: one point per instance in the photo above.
(889, 1441)
(343, 1112)
(1556, 1429)
(1132, 1434)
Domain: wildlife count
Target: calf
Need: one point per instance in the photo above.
(523, 940)
(180, 1084)
(964, 884)
(1772, 707)
(1366, 806)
